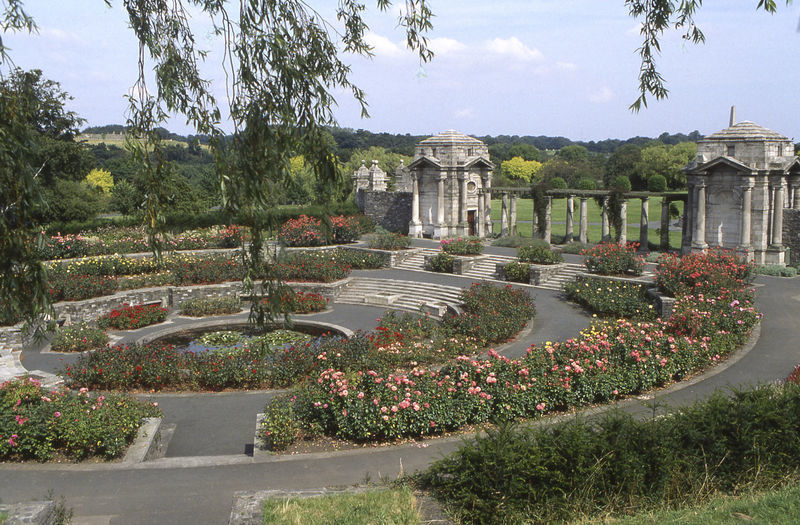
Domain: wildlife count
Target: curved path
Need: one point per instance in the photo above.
(206, 461)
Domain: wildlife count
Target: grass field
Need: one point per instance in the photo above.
(387, 507)
(559, 214)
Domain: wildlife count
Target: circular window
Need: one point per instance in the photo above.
(471, 186)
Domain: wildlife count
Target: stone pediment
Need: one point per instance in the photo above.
(793, 167)
(421, 161)
(719, 162)
(479, 161)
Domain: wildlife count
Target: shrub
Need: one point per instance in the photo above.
(558, 183)
(302, 302)
(617, 464)
(517, 272)
(209, 269)
(538, 254)
(441, 262)
(611, 298)
(345, 229)
(355, 259)
(78, 338)
(776, 271)
(614, 259)
(133, 317)
(389, 241)
(657, 184)
(621, 183)
(575, 248)
(706, 273)
(310, 267)
(66, 287)
(462, 246)
(36, 423)
(211, 306)
(302, 231)
(279, 427)
(586, 184)
(63, 246)
(493, 314)
(230, 237)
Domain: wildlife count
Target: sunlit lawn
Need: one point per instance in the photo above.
(559, 214)
(389, 507)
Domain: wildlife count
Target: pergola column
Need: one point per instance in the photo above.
(699, 241)
(480, 222)
(777, 216)
(504, 215)
(415, 226)
(747, 219)
(605, 230)
(513, 214)
(583, 225)
(548, 223)
(644, 224)
(664, 223)
(623, 217)
(568, 235)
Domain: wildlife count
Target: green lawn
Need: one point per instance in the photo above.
(780, 506)
(559, 214)
(387, 507)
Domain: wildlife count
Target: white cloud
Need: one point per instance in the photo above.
(464, 113)
(60, 35)
(444, 46)
(602, 96)
(566, 66)
(515, 48)
(382, 46)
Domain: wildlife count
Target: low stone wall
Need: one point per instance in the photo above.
(392, 258)
(663, 304)
(392, 210)
(539, 273)
(461, 265)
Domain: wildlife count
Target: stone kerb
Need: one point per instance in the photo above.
(391, 258)
(664, 304)
(539, 273)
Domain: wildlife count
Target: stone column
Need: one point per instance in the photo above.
(644, 224)
(504, 215)
(480, 225)
(664, 223)
(699, 238)
(583, 225)
(687, 225)
(487, 198)
(623, 215)
(534, 220)
(463, 227)
(440, 230)
(747, 218)
(605, 230)
(548, 223)
(568, 235)
(415, 226)
(777, 217)
(513, 217)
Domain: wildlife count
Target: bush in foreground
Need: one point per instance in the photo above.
(133, 317)
(78, 338)
(614, 259)
(38, 424)
(616, 464)
(211, 306)
(608, 298)
(538, 254)
(462, 246)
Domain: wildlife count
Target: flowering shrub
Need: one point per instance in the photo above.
(611, 298)
(279, 426)
(302, 231)
(441, 262)
(493, 314)
(538, 255)
(310, 267)
(355, 259)
(614, 259)
(518, 272)
(62, 246)
(78, 338)
(229, 237)
(66, 287)
(706, 273)
(106, 265)
(36, 423)
(345, 229)
(389, 241)
(211, 306)
(133, 317)
(462, 246)
(303, 302)
(194, 269)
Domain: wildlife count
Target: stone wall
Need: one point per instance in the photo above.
(791, 235)
(392, 210)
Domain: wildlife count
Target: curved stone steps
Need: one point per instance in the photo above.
(401, 295)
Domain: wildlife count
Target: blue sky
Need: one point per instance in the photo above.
(514, 67)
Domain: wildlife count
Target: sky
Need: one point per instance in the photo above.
(501, 67)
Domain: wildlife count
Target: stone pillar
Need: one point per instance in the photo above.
(487, 198)
(605, 230)
(534, 220)
(548, 223)
(687, 225)
(747, 219)
(583, 225)
(415, 226)
(623, 215)
(440, 230)
(480, 225)
(777, 216)
(463, 227)
(699, 238)
(644, 225)
(504, 215)
(568, 235)
(664, 223)
(513, 217)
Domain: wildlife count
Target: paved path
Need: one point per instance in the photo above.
(206, 463)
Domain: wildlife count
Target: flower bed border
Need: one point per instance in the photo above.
(539, 273)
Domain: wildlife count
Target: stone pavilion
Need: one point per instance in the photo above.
(740, 182)
(451, 180)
